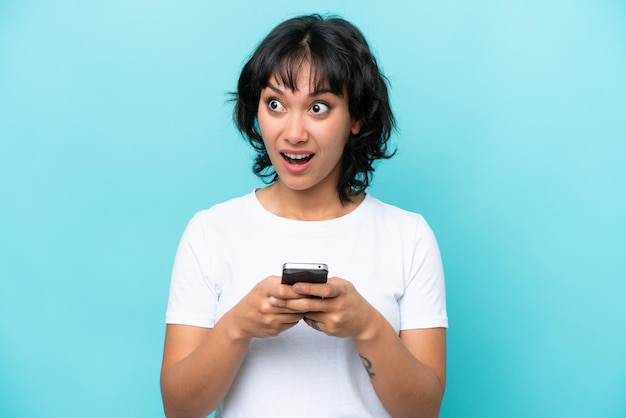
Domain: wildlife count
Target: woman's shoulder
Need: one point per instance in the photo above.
(392, 212)
(401, 224)
(226, 211)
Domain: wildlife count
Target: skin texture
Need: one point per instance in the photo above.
(407, 371)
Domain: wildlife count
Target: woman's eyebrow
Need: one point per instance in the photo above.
(321, 92)
(275, 89)
(314, 93)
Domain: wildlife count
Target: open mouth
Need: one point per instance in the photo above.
(297, 159)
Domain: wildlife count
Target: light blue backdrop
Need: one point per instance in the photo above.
(115, 129)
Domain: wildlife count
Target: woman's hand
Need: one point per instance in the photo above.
(200, 364)
(338, 309)
(255, 317)
(406, 371)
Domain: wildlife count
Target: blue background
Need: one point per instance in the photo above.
(115, 129)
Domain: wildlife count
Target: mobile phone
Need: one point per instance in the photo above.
(304, 272)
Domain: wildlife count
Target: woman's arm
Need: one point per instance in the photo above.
(200, 364)
(406, 371)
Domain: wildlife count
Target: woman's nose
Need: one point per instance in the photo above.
(295, 131)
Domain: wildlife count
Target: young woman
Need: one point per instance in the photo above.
(314, 105)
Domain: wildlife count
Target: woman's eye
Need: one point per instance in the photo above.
(275, 105)
(319, 108)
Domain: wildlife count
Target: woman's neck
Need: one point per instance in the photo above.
(305, 205)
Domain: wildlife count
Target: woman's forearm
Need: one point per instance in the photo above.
(405, 386)
(196, 385)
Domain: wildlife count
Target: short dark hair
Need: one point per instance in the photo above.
(339, 57)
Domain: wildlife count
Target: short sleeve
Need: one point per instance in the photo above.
(192, 297)
(423, 303)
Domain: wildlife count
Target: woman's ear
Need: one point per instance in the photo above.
(356, 127)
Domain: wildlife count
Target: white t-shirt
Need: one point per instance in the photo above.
(390, 255)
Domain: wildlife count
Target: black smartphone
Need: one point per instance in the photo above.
(304, 272)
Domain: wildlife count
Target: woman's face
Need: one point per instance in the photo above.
(304, 132)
